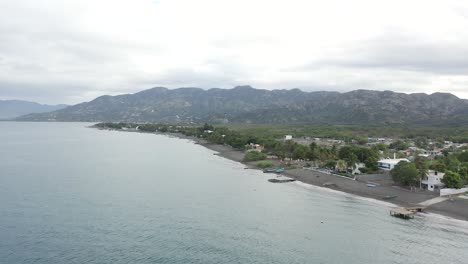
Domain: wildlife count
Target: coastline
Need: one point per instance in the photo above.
(456, 209)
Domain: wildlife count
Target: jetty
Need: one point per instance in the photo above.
(405, 212)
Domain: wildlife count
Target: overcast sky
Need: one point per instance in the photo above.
(56, 51)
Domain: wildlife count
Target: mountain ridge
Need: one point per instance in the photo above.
(10, 109)
(245, 104)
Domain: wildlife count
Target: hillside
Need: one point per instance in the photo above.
(245, 104)
(10, 109)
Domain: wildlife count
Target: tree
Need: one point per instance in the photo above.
(340, 165)
(371, 163)
(438, 166)
(351, 161)
(421, 142)
(299, 152)
(463, 157)
(405, 173)
(345, 152)
(207, 127)
(452, 180)
(399, 145)
(422, 165)
(331, 164)
(254, 156)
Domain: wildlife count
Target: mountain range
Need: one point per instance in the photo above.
(10, 109)
(244, 104)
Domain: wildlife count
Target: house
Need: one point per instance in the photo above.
(389, 164)
(433, 180)
(288, 137)
(255, 147)
(433, 153)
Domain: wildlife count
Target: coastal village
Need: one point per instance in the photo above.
(416, 174)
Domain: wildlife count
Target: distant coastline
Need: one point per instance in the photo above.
(457, 209)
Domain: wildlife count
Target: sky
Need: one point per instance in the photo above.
(55, 51)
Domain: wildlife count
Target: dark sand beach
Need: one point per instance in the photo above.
(455, 208)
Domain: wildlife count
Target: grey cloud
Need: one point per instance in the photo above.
(398, 51)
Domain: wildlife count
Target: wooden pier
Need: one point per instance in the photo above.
(405, 212)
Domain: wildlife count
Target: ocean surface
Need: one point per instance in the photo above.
(72, 194)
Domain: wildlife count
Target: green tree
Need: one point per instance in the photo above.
(371, 163)
(422, 165)
(299, 152)
(341, 165)
(452, 180)
(331, 164)
(463, 157)
(438, 166)
(399, 145)
(207, 127)
(405, 173)
(254, 156)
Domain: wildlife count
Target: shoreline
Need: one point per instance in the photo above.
(456, 209)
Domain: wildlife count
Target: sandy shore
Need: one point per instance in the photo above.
(456, 208)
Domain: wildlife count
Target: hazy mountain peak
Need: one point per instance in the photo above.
(14, 108)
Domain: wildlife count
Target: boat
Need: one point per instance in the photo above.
(281, 179)
(329, 184)
(389, 197)
(279, 170)
(273, 170)
(371, 185)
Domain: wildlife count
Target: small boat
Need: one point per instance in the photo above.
(281, 179)
(389, 197)
(269, 170)
(371, 185)
(279, 170)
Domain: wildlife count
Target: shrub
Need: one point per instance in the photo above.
(254, 156)
(265, 164)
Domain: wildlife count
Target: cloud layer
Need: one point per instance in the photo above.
(71, 51)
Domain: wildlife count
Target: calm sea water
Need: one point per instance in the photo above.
(71, 194)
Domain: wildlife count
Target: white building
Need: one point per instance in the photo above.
(433, 180)
(288, 137)
(389, 164)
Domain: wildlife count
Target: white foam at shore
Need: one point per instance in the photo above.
(433, 216)
(324, 189)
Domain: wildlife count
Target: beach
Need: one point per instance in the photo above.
(455, 208)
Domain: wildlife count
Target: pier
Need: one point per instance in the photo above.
(405, 212)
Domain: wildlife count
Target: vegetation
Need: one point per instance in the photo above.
(405, 173)
(254, 156)
(452, 180)
(265, 164)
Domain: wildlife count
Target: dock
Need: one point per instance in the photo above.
(405, 212)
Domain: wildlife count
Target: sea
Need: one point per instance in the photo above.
(74, 194)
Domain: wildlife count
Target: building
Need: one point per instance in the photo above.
(389, 164)
(255, 147)
(288, 137)
(433, 181)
